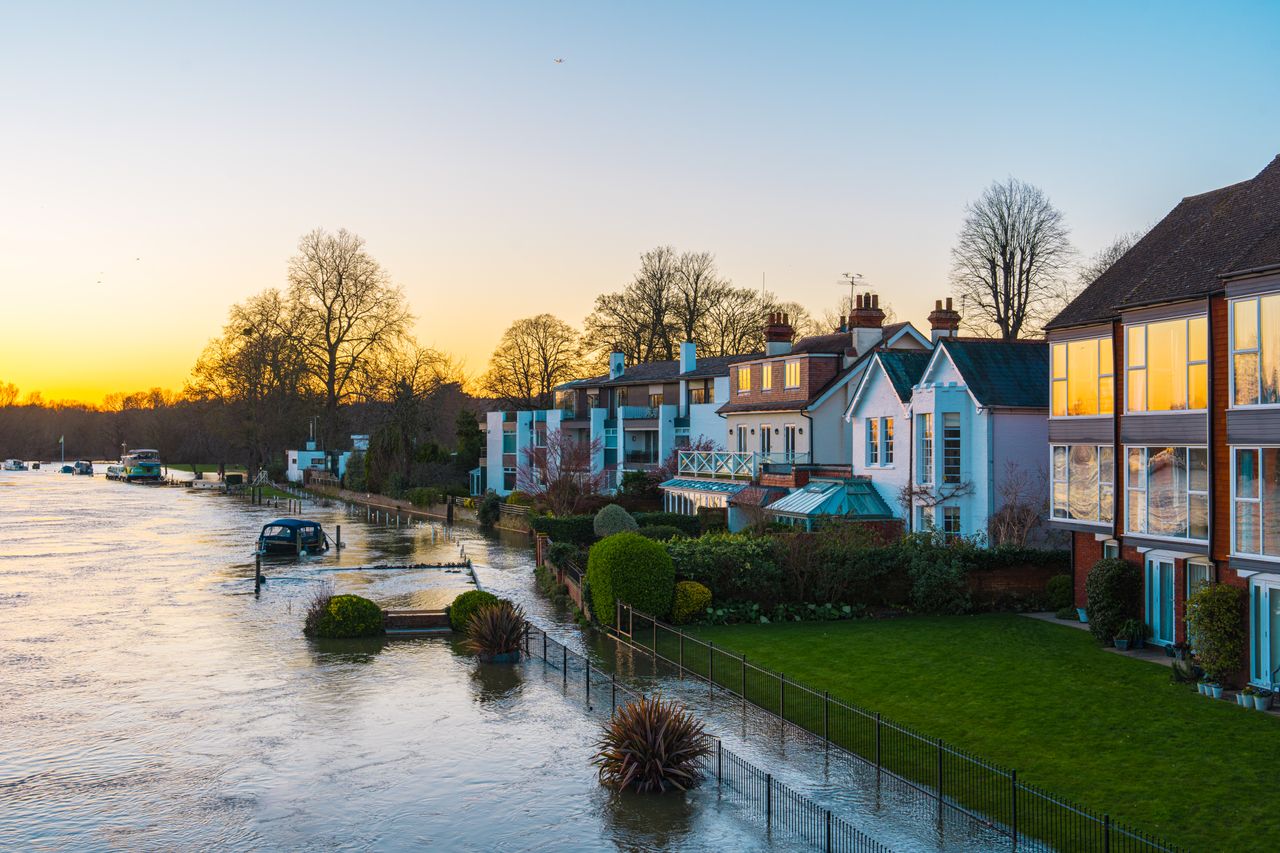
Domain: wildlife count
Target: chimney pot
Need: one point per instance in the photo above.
(875, 300)
(859, 301)
(949, 308)
(937, 305)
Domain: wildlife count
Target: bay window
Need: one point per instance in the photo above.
(1168, 492)
(1082, 487)
(1255, 351)
(1255, 492)
(1083, 382)
(1167, 365)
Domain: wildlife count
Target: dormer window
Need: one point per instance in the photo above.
(744, 380)
(793, 374)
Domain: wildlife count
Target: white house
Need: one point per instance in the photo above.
(951, 440)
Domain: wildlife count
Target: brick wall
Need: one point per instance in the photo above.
(815, 372)
(1220, 465)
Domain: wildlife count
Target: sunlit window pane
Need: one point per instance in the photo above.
(1245, 324)
(1136, 347)
(1106, 394)
(1270, 479)
(1082, 379)
(1269, 362)
(1059, 361)
(1106, 360)
(1247, 528)
(1246, 378)
(1137, 390)
(1197, 339)
(1166, 366)
(1059, 398)
(1246, 473)
(1198, 386)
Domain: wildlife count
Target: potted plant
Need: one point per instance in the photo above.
(1202, 686)
(1129, 635)
(1215, 689)
(1084, 617)
(1262, 699)
(1245, 697)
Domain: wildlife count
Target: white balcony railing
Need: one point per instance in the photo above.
(717, 463)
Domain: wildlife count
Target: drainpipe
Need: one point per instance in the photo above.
(910, 509)
(991, 464)
(1209, 426)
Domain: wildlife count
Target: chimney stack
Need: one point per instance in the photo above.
(866, 322)
(688, 356)
(943, 322)
(617, 364)
(778, 333)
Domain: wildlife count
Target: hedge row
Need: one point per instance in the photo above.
(580, 530)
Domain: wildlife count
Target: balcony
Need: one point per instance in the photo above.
(717, 463)
(640, 457)
(637, 413)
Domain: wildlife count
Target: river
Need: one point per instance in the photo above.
(152, 701)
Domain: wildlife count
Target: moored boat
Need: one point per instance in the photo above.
(292, 536)
(67, 469)
(14, 465)
(83, 467)
(115, 472)
(141, 466)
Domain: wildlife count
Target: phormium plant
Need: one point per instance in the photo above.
(496, 629)
(652, 745)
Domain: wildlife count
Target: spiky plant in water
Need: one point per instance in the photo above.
(652, 745)
(496, 629)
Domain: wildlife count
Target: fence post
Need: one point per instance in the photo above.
(782, 697)
(257, 573)
(613, 694)
(338, 542)
(826, 717)
(828, 845)
(526, 639)
(654, 622)
(1106, 833)
(711, 667)
(744, 684)
(681, 654)
(564, 664)
(1013, 785)
(719, 761)
(544, 645)
(588, 684)
(877, 746)
(768, 799)
(939, 788)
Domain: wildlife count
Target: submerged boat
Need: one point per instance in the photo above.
(67, 469)
(35, 466)
(141, 466)
(83, 467)
(292, 535)
(14, 465)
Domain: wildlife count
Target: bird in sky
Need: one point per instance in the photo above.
(558, 61)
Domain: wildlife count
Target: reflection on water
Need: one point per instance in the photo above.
(151, 701)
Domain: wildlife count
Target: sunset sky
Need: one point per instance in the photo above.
(160, 162)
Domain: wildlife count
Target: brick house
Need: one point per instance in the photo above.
(1164, 427)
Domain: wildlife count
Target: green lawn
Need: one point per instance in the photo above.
(1106, 732)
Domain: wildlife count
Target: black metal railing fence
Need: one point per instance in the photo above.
(955, 779)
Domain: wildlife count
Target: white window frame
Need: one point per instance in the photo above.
(924, 425)
(1202, 563)
(950, 443)
(766, 377)
(1064, 379)
(740, 434)
(789, 441)
(886, 439)
(766, 440)
(743, 383)
(1146, 362)
(1106, 481)
(788, 367)
(1256, 350)
(1254, 501)
(1111, 549)
(873, 442)
(1146, 502)
(950, 512)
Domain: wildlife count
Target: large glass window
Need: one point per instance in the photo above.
(951, 447)
(508, 442)
(1168, 492)
(873, 441)
(1168, 365)
(886, 437)
(1082, 482)
(1083, 381)
(744, 380)
(924, 426)
(1255, 491)
(1255, 350)
(793, 374)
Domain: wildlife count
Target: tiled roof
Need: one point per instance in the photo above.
(589, 382)
(716, 365)
(835, 343)
(770, 406)
(904, 368)
(1204, 237)
(1005, 374)
(649, 371)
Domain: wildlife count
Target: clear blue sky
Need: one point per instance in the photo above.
(176, 154)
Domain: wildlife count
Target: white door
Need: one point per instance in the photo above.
(1264, 630)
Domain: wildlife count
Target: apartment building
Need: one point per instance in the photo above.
(949, 437)
(1164, 431)
(640, 416)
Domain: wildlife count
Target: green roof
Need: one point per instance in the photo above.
(1005, 374)
(855, 498)
(904, 368)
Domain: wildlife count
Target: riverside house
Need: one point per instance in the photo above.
(1164, 433)
(640, 414)
(950, 437)
(788, 445)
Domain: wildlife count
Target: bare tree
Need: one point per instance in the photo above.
(561, 473)
(734, 324)
(1101, 261)
(8, 394)
(533, 356)
(698, 288)
(349, 311)
(1023, 504)
(1009, 260)
(640, 320)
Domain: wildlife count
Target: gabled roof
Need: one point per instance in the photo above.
(649, 371)
(716, 365)
(903, 368)
(1001, 374)
(1205, 237)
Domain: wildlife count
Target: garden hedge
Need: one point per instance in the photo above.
(1216, 624)
(691, 599)
(347, 616)
(577, 529)
(628, 567)
(613, 519)
(467, 603)
(687, 523)
(1114, 592)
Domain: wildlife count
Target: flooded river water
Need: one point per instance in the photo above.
(151, 701)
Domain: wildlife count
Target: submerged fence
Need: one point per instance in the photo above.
(956, 780)
(736, 779)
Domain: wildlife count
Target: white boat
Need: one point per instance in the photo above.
(141, 465)
(14, 465)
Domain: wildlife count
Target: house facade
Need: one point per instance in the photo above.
(1164, 432)
(640, 415)
(950, 437)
